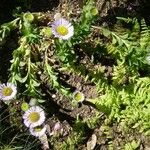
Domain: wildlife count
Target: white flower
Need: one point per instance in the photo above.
(38, 131)
(7, 91)
(34, 116)
(62, 29)
(78, 96)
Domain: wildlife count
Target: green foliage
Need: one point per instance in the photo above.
(124, 90)
(76, 138)
(127, 99)
(6, 28)
(70, 143)
(53, 76)
(83, 27)
(132, 146)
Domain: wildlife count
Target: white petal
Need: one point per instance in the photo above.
(29, 111)
(67, 25)
(38, 134)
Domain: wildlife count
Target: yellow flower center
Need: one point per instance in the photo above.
(34, 117)
(62, 30)
(7, 91)
(78, 96)
(37, 129)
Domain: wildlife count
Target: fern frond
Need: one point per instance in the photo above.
(145, 34)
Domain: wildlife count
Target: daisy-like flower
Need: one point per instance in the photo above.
(78, 96)
(38, 131)
(62, 29)
(7, 91)
(34, 116)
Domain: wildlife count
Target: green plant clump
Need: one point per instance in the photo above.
(48, 48)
